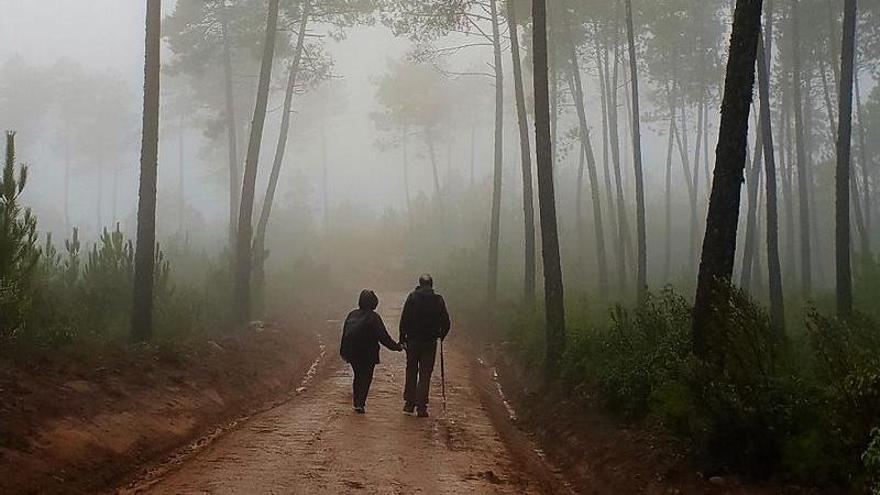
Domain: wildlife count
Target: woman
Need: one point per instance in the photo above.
(362, 333)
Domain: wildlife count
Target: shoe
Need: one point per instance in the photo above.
(409, 408)
(423, 412)
(360, 410)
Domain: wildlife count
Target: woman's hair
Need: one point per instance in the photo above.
(368, 300)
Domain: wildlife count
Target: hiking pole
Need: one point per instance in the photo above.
(443, 376)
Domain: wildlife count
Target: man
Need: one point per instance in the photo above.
(423, 321)
(362, 333)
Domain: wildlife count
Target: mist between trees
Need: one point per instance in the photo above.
(628, 152)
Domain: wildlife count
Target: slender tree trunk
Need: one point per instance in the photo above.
(525, 156)
(577, 91)
(244, 254)
(181, 152)
(867, 222)
(99, 201)
(667, 253)
(774, 271)
(750, 246)
(145, 252)
(642, 262)
(604, 84)
(788, 191)
(325, 170)
(803, 174)
(553, 288)
(842, 170)
(681, 141)
(260, 253)
(66, 176)
(473, 152)
(719, 244)
(495, 226)
(435, 171)
(114, 189)
(403, 140)
(622, 224)
(231, 132)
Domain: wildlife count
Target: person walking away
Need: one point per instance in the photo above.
(362, 333)
(423, 321)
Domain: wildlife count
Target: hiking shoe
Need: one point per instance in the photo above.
(409, 408)
(423, 412)
(360, 410)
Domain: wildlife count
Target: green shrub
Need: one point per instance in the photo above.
(19, 250)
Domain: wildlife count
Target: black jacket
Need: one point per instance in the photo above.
(424, 317)
(362, 333)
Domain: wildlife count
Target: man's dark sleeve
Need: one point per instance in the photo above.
(445, 323)
(382, 334)
(405, 317)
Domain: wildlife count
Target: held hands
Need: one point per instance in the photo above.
(401, 346)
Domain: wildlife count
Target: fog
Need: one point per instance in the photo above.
(71, 78)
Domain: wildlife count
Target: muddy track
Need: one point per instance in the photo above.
(315, 444)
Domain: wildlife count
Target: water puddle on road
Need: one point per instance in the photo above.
(511, 412)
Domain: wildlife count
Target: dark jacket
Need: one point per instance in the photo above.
(363, 331)
(424, 317)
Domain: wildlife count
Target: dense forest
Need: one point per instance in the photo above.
(669, 207)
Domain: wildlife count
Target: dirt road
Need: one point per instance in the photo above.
(316, 444)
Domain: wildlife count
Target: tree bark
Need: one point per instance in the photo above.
(842, 169)
(260, 253)
(243, 252)
(577, 91)
(553, 287)
(719, 243)
(231, 132)
(622, 238)
(642, 261)
(867, 220)
(802, 160)
(750, 246)
(667, 252)
(145, 252)
(529, 281)
(495, 221)
(774, 271)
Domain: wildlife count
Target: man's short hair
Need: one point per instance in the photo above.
(426, 280)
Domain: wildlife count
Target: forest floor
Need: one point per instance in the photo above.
(316, 444)
(82, 419)
(270, 411)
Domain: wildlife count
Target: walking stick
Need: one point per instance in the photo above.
(443, 376)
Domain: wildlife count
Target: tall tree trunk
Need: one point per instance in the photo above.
(577, 91)
(788, 189)
(667, 252)
(231, 132)
(604, 84)
(682, 144)
(774, 271)
(842, 170)
(495, 222)
(750, 246)
(803, 174)
(529, 281)
(553, 288)
(403, 140)
(719, 243)
(66, 178)
(243, 252)
(325, 170)
(642, 262)
(145, 252)
(867, 222)
(181, 152)
(622, 224)
(260, 253)
(99, 200)
(435, 171)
